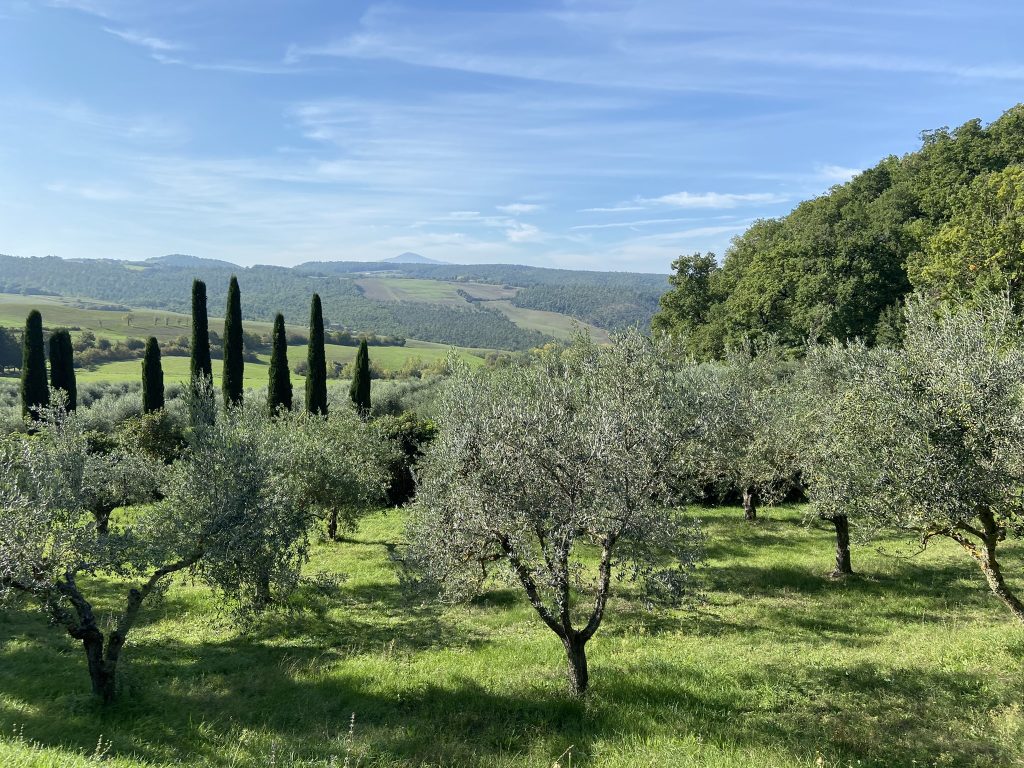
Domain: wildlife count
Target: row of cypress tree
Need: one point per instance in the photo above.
(35, 392)
(279, 385)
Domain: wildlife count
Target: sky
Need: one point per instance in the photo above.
(587, 134)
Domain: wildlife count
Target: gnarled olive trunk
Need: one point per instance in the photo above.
(332, 525)
(844, 566)
(990, 534)
(749, 503)
(102, 665)
(994, 577)
(576, 654)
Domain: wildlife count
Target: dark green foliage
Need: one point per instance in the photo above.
(685, 310)
(201, 364)
(316, 360)
(10, 349)
(279, 389)
(34, 391)
(234, 363)
(359, 391)
(152, 378)
(615, 306)
(412, 435)
(62, 366)
(838, 266)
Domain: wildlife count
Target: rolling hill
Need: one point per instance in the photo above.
(506, 307)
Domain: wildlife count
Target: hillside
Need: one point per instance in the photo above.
(946, 220)
(410, 258)
(485, 306)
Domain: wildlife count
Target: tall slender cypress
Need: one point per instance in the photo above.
(234, 365)
(201, 364)
(62, 366)
(279, 389)
(360, 389)
(34, 392)
(152, 378)
(316, 376)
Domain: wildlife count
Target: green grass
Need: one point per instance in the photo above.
(912, 663)
(552, 323)
(61, 312)
(410, 289)
(176, 369)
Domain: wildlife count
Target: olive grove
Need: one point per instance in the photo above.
(928, 439)
(234, 510)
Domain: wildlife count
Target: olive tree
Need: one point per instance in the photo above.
(930, 438)
(830, 469)
(334, 466)
(119, 478)
(752, 450)
(564, 470)
(227, 517)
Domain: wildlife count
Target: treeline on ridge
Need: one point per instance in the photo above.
(946, 220)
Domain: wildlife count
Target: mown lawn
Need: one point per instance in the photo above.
(912, 663)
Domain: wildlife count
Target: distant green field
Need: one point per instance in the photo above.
(430, 291)
(114, 325)
(410, 289)
(552, 323)
(389, 358)
(166, 326)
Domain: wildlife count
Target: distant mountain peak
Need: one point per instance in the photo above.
(411, 258)
(185, 260)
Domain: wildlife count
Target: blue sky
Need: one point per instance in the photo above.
(569, 133)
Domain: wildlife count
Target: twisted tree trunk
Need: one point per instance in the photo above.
(749, 503)
(990, 534)
(844, 566)
(994, 577)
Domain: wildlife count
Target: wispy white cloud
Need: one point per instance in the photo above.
(630, 224)
(97, 192)
(837, 174)
(150, 42)
(517, 209)
(613, 209)
(518, 232)
(715, 199)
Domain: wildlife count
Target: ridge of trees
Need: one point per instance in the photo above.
(278, 289)
(946, 220)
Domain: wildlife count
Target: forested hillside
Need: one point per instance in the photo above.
(608, 300)
(947, 220)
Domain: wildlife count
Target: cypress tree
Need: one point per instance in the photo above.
(152, 378)
(62, 366)
(34, 392)
(279, 390)
(360, 389)
(234, 365)
(316, 376)
(201, 364)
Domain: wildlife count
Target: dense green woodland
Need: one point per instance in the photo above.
(606, 299)
(947, 220)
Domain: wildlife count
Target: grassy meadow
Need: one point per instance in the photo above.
(166, 326)
(256, 373)
(911, 663)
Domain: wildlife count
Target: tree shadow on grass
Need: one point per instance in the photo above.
(185, 702)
